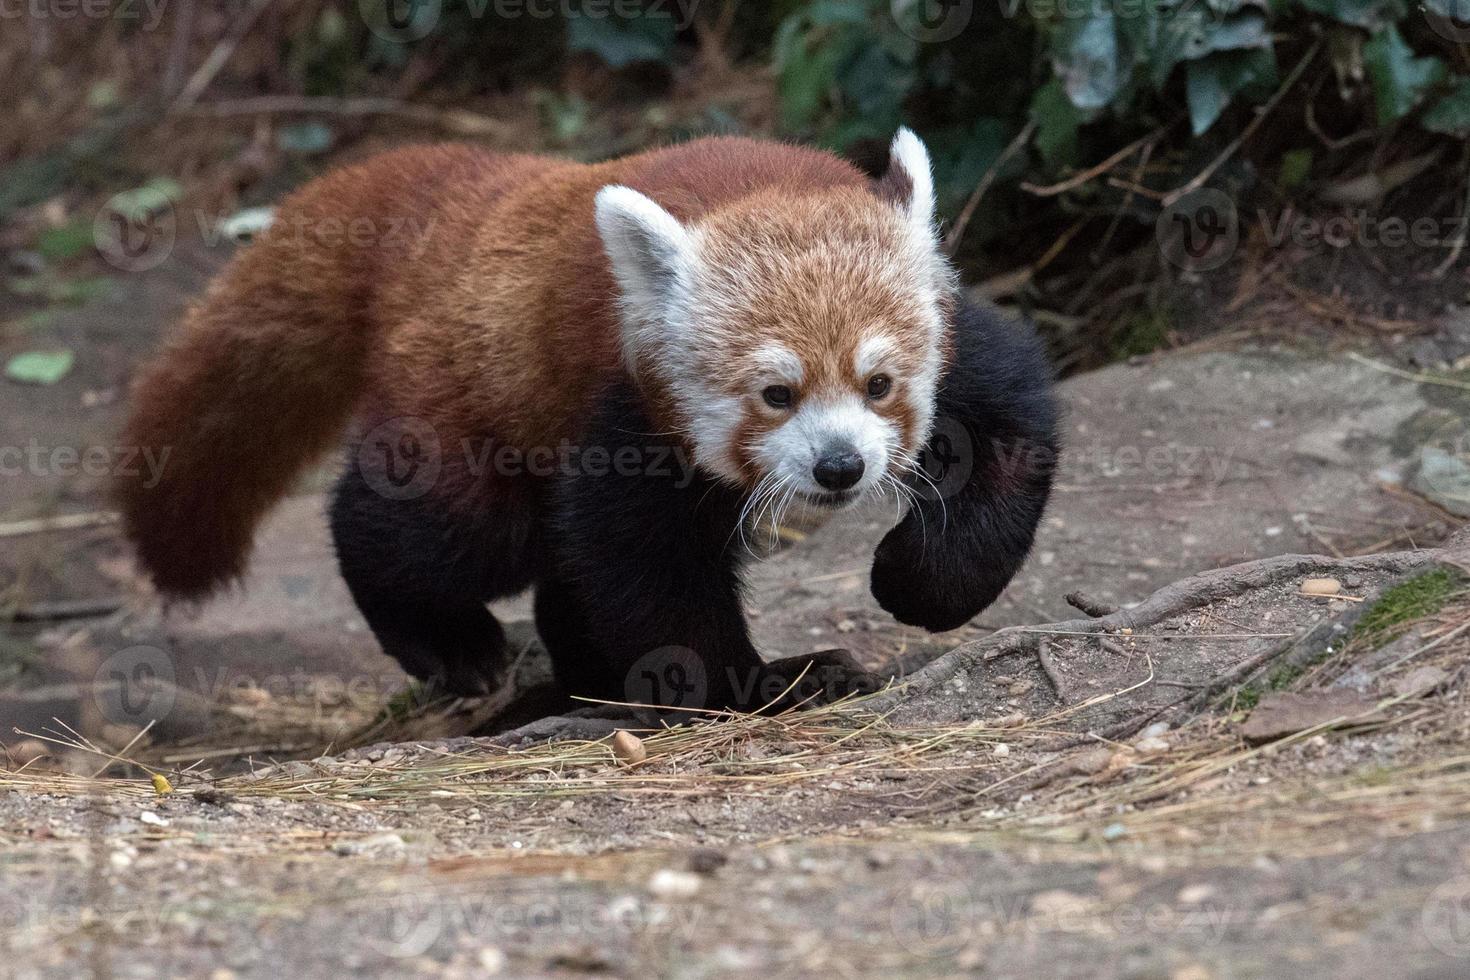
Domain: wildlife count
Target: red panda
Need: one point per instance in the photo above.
(588, 378)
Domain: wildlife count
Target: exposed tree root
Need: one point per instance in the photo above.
(1171, 601)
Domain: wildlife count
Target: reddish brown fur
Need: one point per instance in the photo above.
(499, 322)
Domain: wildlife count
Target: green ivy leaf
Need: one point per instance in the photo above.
(1057, 121)
(1088, 60)
(832, 49)
(1371, 15)
(1296, 166)
(875, 85)
(40, 367)
(1210, 83)
(307, 138)
(1192, 32)
(622, 41)
(65, 241)
(1399, 78)
(1451, 114)
(1207, 93)
(963, 157)
(153, 197)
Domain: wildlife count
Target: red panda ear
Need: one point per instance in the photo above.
(908, 183)
(652, 256)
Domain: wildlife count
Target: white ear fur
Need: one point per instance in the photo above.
(908, 153)
(653, 257)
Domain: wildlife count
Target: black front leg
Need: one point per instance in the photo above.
(990, 461)
(644, 600)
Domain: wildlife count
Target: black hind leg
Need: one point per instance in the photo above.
(421, 577)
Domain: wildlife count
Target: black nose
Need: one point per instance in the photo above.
(838, 469)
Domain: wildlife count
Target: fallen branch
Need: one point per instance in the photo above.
(220, 56)
(1204, 175)
(65, 522)
(956, 233)
(1168, 602)
(1082, 602)
(61, 610)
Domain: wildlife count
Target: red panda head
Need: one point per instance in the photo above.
(798, 337)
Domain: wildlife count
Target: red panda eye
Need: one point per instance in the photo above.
(777, 396)
(878, 386)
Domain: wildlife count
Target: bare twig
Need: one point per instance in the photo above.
(1049, 667)
(220, 56)
(1423, 379)
(65, 522)
(1083, 602)
(1204, 175)
(1092, 173)
(49, 612)
(952, 240)
(1170, 601)
(178, 48)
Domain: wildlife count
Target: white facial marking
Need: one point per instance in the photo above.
(778, 365)
(873, 354)
(820, 426)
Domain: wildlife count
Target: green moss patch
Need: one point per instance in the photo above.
(1409, 601)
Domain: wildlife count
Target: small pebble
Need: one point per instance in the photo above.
(491, 960)
(26, 751)
(672, 883)
(1195, 894)
(1321, 586)
(628, 747)
(706, 860)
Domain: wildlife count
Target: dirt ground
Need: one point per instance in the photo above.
(1228, 779)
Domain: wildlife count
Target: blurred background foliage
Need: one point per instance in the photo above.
(1060, 128)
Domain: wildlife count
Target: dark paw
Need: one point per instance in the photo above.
(909, 593)
(451, 673)
(902, 597)
(813, 679)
